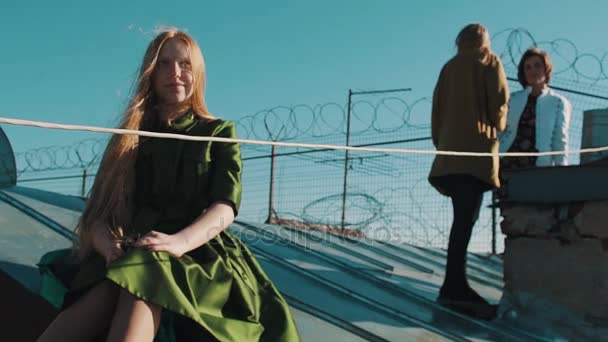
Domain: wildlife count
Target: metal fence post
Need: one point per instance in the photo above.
(271, 190)
(493, 222)
(348, 113)
(84, 183)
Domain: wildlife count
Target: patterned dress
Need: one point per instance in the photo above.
(525, 141)
(217, 292)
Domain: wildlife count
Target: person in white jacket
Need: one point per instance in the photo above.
(538, 119)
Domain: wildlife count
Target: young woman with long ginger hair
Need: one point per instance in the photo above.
(154, 259)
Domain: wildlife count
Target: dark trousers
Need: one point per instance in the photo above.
(466, 193)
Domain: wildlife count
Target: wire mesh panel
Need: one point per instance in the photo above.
(384, 195)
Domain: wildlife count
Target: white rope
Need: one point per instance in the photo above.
(19, 122)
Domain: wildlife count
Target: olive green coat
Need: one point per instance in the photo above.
(469, 107)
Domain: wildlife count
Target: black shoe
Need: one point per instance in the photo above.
(474, 307)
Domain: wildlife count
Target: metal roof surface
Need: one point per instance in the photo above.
(340, 289)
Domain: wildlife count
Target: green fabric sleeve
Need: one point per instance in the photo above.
(227, 168)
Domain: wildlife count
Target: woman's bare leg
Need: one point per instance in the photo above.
(87, 318)
(134, 319)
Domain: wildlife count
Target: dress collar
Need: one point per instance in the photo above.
(542, 93)
(183, 123)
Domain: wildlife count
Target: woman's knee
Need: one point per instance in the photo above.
(102, 295)
(130, 299)
(87, 317)
(106, 290)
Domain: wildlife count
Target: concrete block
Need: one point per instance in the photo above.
(592, 220)
(573, 274)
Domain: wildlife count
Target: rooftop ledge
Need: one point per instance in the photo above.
(556, 248)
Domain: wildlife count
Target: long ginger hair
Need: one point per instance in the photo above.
(110, 202)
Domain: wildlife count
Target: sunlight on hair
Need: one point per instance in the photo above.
(156, 30)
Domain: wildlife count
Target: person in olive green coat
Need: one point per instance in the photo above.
(154, 258)
(469, 107)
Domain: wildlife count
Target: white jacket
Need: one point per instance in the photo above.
(552, 124)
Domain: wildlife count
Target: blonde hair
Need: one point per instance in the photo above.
(473, 37)
(110, 201)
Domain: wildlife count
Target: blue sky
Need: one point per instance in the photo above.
(73, 61)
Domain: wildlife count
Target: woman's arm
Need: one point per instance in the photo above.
(207, 226)
(497, 89)
(560, 136)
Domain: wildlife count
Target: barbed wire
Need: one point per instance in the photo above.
(566, 58)
(281, 123)
(380, 214)
(376, 116)
(285, 123)
(82, 155)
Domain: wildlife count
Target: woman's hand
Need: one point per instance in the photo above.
(161, 242)
(107, 244)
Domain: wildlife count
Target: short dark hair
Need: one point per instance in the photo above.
(521, 76)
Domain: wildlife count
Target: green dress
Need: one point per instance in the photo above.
(217, 291)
